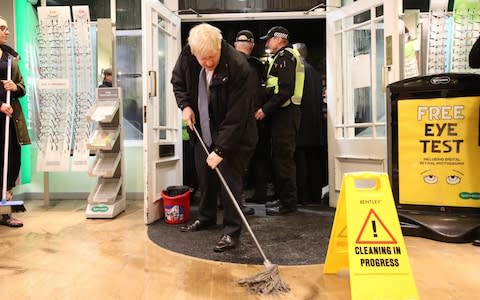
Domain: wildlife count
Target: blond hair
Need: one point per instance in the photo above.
(205, 39)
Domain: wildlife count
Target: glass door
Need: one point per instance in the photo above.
(362, 58)
(161, 117)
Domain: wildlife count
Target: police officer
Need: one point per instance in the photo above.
(285, 77)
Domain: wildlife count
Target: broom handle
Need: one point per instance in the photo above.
(266, 262)
(7, 133)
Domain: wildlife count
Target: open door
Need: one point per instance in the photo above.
(362, 58)
(161, 117)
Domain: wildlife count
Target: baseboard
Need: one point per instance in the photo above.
(69, 196)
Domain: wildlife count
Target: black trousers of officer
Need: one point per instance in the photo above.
(261, 165)
(210, 186)
(284, 124)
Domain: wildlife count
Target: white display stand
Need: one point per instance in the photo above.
(107, 199)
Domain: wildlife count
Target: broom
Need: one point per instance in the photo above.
(267, 281)
(7, 207)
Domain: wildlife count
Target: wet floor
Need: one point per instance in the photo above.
(59, 254)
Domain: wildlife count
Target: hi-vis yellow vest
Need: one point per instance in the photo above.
(272, 81)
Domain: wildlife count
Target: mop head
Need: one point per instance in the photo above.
(267, 282)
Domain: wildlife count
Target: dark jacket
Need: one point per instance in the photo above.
(474, 57)
(185, 80)
(259, 81)
(232, 121)
(18, 116)
(106, 84)
(312, 132)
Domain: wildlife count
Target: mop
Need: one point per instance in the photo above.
(267, 281)
(7, 207)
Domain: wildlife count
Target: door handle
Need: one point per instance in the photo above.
(386, 69)
(152, 83)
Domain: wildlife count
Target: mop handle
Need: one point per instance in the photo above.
(239, 210)
(7, 132)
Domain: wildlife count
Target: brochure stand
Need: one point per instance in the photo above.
(108, 197)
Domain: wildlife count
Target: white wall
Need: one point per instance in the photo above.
(77, 185)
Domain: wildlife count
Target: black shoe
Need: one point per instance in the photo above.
(197, 225)
(280, 210)
(247, 211)
(476, 242)
(225, 243)
(272, 203)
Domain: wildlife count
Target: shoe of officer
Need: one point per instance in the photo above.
(226, 242)
(247, 211)
(256, 199)
(279, 210)
(476, 242)
(272, 203)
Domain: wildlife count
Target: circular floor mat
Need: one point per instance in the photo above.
(295, 239)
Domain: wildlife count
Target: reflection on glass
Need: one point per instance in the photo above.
(379, 91)
(364, 132)
(339, 80)
(162, 95)
(359, 66)
(129, 78)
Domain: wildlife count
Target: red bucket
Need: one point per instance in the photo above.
(177, 206)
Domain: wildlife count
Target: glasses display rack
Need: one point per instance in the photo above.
(85, 86)
(108, 197)
(466, 30)
(66, 87)
(55, 88)
(451, 36)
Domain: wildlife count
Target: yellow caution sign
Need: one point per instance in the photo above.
(367, 240)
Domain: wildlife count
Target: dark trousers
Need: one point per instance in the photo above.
(311, 173)
(285, 124)
(210, 187)
(261, 163)
(13, 153)
(189, 174)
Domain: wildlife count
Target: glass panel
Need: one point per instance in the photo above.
(162, 95)
(129, 78)
(364, 132)
(358, 75)
(129, 14)
(380, 98)
(357, 19)
(215, 6)
(379, 11)
(362, 103)
(381, 130)
(340, 82)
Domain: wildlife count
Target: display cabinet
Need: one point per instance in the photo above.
(107, 198)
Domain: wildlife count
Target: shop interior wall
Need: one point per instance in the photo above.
(78, 185)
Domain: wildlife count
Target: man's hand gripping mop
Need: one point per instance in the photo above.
(7, 207)
(267, 281)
